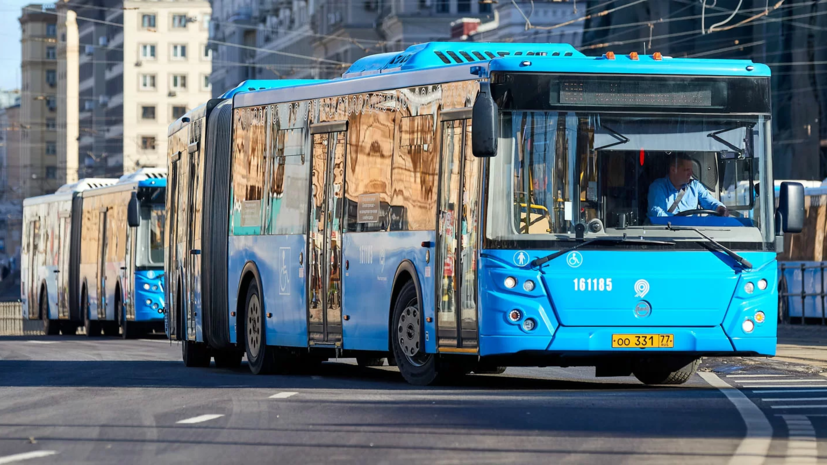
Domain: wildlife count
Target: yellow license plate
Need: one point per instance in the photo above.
(642, 341)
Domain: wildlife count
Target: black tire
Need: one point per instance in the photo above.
(92, 327)
(262, 359)
(417, 367)
(110, 328)
(367, 361)
(128, 331)
(489, 370)
(228, 359)
(665, 371)
(195, 354)
(50, 327)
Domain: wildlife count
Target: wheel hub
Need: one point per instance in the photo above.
(253, 321)
(408, 329)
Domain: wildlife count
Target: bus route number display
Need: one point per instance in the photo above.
(632, 93)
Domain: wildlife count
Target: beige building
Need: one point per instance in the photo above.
(68, 49)
(38, 102)
(140, 65)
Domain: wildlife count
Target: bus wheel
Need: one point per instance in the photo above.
(91, 327)
(483, 369)
(665, 371)
(127, 330)
(365, 361)
(416, 366)
(261, 358)
(110, 328)
(195, 354)
(50, 327)
(228, 359)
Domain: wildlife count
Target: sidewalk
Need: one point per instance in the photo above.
(803, 344)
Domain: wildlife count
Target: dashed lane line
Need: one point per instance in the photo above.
(753, 448)
(200, 419)
(799, 406)
(800, 380)
(756, 376)
(788, 386)
(26, 456)
(43, 342)
(283, 395)
(801, 447)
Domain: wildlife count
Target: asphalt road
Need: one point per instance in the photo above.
(78, 400)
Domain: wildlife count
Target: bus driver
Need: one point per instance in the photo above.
(678, 192)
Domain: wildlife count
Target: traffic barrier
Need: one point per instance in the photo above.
(802, 293)
(13, 324)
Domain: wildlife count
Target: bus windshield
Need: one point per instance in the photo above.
(150, 249)
(629, 175)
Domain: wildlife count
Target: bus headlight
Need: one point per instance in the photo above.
(515, 315)
(510, 282)
(154, 288)
(762, 284)
(528, 285)
(529, 324)
(149, 301)
(155, 306)
(749, 288)
(748, 326)
(146, 286)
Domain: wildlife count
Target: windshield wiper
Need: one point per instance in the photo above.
(612, 240)
(741, 260)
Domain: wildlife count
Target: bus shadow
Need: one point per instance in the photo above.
(330, 375)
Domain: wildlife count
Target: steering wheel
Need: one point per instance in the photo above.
(698, 211)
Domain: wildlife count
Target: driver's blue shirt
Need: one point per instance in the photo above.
(662, 194)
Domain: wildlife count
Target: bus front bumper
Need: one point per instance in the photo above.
(598, 340)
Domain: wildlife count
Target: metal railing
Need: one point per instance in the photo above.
(802, 293)
(13, 324)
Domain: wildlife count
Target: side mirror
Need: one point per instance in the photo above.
(484, 124)
(133, 211)
(790, 213)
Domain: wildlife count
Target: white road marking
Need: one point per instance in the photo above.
(283, 395)
(162, 341)
(753, 448)
(799, 406)
(802, 446)
(756, 376)
(775, 391)
(200, 419)
(42, 342)
(789, 399)
(789, 386)
(26, 456)
(746, 381)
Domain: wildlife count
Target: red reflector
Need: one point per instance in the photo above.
(641, 157)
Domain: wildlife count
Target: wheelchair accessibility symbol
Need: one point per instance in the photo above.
(574, 259)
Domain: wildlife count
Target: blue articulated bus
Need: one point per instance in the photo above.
(460, 208)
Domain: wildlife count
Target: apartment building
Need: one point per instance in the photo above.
(11, 190)
(38, 102)
(279, 39)
(141, 64)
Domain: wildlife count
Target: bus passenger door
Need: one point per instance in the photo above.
(62, 277)
(32, 287)
(102, 265)
(324, 317)
(457, 238)
(192, 248)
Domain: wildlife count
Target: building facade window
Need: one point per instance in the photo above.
(51, 30)
(51, 77)
(148, 51)
(148, 112)
(148, 142)
(179, 81)
(148, 81)
(443, 6)
(178, 111)
(463, 6)
(205, 82)
(179, 51)
(51, 124)
(51, 172)
(179, 21)
(207, 55)
(51, 103)
(51, 53)
(205, 22)
(148, 21)
(51, 148)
